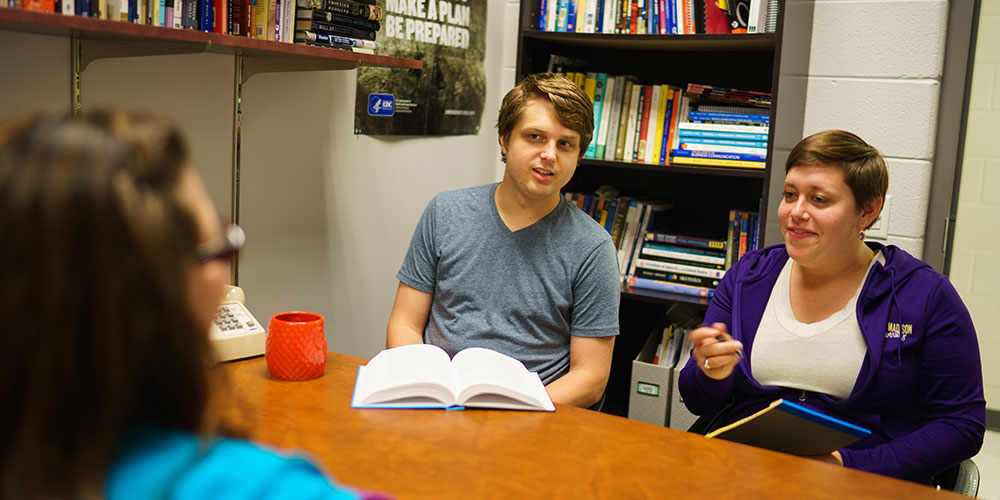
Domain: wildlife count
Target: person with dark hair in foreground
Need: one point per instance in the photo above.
(113, 263)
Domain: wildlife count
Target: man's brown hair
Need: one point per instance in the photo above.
(864, 167)
(573, 108)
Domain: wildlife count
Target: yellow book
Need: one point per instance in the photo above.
(590, 86)
(661, 112)
(260, 20)
(713, 162)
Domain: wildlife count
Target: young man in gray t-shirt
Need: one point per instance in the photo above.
(513, 266)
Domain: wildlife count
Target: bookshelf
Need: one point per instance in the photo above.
(704, 194)
(92, 39)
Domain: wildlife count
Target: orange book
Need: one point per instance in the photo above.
(39, 5)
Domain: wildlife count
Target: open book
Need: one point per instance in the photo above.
(794, 429)
(422, 376)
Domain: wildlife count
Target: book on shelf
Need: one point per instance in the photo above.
(600, 85)
(333, 29)
(666, 286)
(356, 9)
(683, 279)
(334, 41)
(792, 428)
(741, 234)
(688, 240)
(680, 266)
(716, 18)
(623, 120)
(330, 17)
(651, 214)
(634, 115)
(739, 11)
(423, 376)
(601, 134)
(679, 252)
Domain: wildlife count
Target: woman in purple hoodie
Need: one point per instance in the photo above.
(854, 329)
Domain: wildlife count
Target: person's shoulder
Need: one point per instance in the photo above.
(578, 223)
(466, 195)
(761, 262)
(903, 265)
(159, 463)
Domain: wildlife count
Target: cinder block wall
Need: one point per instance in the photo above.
(875, 69)
(975, 261)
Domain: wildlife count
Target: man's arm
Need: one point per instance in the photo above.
(408, 318)
(589, 365)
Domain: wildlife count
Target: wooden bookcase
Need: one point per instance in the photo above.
(92, 39)
(705, 194)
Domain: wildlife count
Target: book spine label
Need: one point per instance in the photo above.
(663, 286)
(713, 162)
(735, 136)
(330, 17)
(723, 142)
(690, 241)
(716, 148)
(676, 253)
(683, 279)
(674, 267)
(340, 40)
(724, 127)
(718, 155)
(708, 116)
(335, 29)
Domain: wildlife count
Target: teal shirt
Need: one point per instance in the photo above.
(171, 464)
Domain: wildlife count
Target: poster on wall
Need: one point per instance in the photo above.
(446, 97)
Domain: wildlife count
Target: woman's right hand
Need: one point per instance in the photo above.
(715, 350)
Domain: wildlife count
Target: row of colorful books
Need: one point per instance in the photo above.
(722, 127)
(660, 123)
(632, 121)
(653, 256)
(692, 265)
(332, 23)
(658, 17)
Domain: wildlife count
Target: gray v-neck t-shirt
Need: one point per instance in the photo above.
(521, 293)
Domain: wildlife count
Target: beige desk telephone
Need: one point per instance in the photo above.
(235, 333)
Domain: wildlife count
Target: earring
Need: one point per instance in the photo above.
(861, 235)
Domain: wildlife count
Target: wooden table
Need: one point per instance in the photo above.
(474, 454)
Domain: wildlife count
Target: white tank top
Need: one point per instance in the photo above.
(824, 356)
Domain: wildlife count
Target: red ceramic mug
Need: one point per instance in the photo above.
(296, 346)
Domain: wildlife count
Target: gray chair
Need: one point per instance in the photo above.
(962, 478)
(967, 479)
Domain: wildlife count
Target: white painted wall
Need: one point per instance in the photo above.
(975, 261)
(328, 214)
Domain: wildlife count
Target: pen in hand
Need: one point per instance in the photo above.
(739, 352)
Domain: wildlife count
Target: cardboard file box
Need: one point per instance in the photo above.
(650, 396)
(680, 418)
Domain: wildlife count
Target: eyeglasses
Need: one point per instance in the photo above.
(232, 239)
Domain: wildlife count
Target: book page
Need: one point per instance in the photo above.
(488, 378)
(406, 372)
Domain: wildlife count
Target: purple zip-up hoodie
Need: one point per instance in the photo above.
(920, 388)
